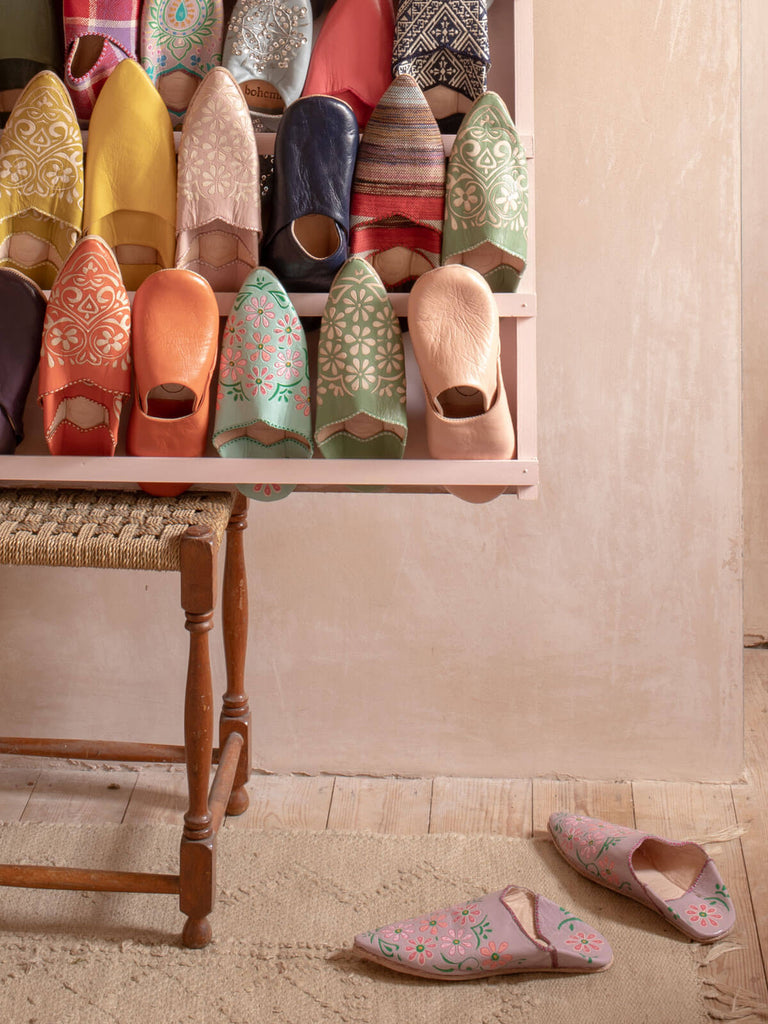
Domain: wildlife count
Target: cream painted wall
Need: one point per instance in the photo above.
(596, 632)
(755, 286)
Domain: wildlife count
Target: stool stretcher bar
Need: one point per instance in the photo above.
(33, 876)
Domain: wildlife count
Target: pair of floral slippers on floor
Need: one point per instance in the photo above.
(515, 931)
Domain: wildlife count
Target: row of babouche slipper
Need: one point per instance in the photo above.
(276, 49)
(387, 196)
(86, 336)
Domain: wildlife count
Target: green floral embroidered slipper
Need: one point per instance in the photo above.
(263, 401)
(361, 370)
(486, 196)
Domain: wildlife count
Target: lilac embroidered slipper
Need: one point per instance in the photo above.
(508, 932)
(678, 880)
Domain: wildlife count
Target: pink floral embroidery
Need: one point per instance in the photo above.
(233, 364)
(260, 344)
(496, 956)
(467, 914)
(455, 942)
(301, 398)
(607, 870)
(585, 944)
(259, 312)
(421, 948)
(234, 332)
(591, 843)
(259, 381)
(396, 932)
(703, 915)
(290, 326)
(434, 924)
(288, 364)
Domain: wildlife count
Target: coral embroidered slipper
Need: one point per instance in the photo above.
(352, 56)
(130, 175)
(486, 196)
(175, 345)
(398, 191)
(678, 880)
(31, 42)
(98, 35)
(85, 365)
(22, 311)
(263, 398)
(454, 327)
(181, 40)
(514, 931)
(41, 181)
(218, 215)
(267, 48)
(443, 44)
(361, 370)
(308, 236)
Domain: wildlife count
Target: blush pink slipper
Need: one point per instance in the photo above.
(509, 932)
(454, 325)
(678, 880)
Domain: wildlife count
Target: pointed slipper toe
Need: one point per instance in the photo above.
(454, 327)
(175, 345)
(22, 312)
(678, 880)
(486, 196)
(85, 366)
(514, 931)
(41, 181)
(308, 236)
(218, 223)
(263, 397)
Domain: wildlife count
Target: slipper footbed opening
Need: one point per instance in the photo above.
(262, 96)
(361, 426)
(399, 264)
(669, 871)
(170, 401)
(461, 402)
(444, 102)
(486, 258)
(523, 906)
(86, 51)
(177, 89)
(221, 248)
(261, 432)
(318, 235)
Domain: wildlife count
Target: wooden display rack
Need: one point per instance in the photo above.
(416, 471)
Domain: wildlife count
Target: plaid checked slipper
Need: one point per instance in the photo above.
(85, 365)
(263, 398)
(486, 196)
(361, 370)
(181, 40)
(443, 44)
(267, 48)
(218, 214)
(398, 191)
(41, 181)
(98, 35)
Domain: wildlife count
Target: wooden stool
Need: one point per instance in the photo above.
(131, 530)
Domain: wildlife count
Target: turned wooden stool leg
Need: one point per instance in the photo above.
(235, 713)
(197, 864)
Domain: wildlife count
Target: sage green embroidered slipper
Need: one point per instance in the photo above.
(263, 401)
(361, 370)
(486, 196)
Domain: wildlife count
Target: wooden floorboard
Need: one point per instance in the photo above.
(395, 806)
(16, 785)
(287, 801)
(611, 801)
(77, 796)
(498, 806)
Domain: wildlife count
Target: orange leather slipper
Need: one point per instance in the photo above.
(175, 347)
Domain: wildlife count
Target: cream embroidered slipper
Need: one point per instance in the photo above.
(41, 181)
(181, 40)
(85, 365)
(263, 400)
(218, 215)
(267, 49)
(486, 196)
(361, 370)
(130, 187)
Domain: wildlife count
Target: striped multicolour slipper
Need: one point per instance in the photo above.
(398, 191)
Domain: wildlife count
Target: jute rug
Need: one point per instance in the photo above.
(289, 907)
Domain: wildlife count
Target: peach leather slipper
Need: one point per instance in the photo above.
(454, 326)
(175, 345)
(678, 880)
(85, 365)
(513, 931)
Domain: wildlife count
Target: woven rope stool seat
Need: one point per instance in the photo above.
(132, 530)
